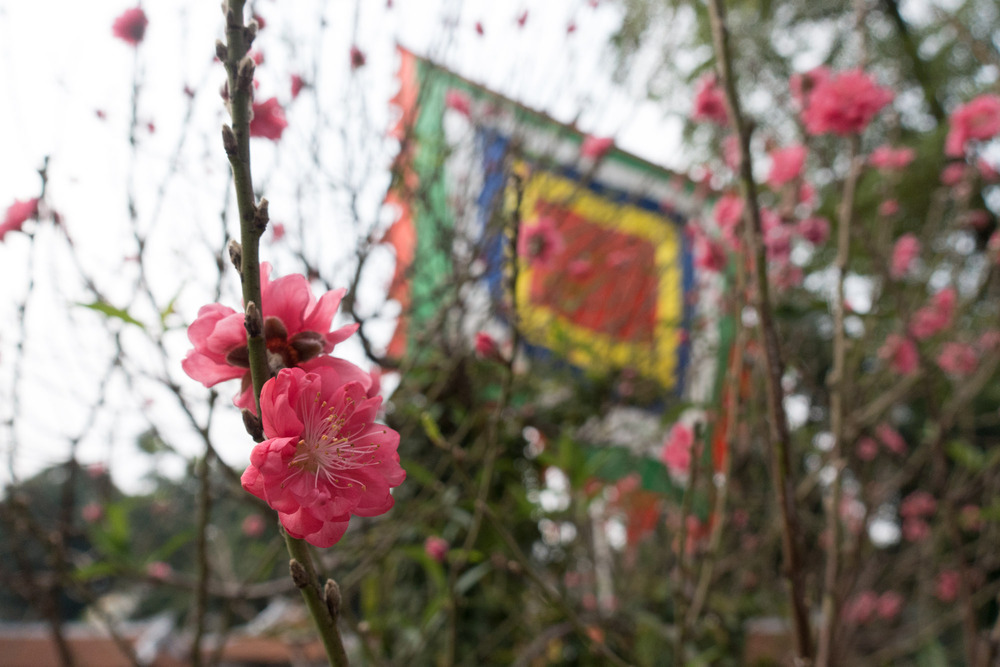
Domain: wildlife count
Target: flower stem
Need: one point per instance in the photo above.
(253, 221)
(781, 460)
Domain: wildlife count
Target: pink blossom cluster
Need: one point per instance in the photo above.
(915, 510)
(935, 316)
(977, 120)
(887, 158)
(863, 607)
(17, 214)
(324, 457)
(676, 454)
(709, 102)
(843, 103)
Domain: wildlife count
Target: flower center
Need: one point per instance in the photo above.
(329, 449)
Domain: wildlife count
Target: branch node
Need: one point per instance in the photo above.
(250, 32)
(331, 594)
(260, 216)
(253, 425)
(253, 321)
(221, 52)
(299, 574)
(236, 255)
(229, 142)
(244, 78)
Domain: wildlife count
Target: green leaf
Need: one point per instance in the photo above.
(111, 311)
(169, 310)
(966, 455)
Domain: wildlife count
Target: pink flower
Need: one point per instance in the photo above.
(953, 173)
(958, 359)
(459, 101)
(522, 18)
(325, 458)
(918, 504)
(676, 454)
(888, 208)
(709, 255)
(277, 231)
(866, 449)
(268, 120)
(258, 57)
(709, 102)
(296, 329)
(297, 85)
(253, 525)
(436, 547)
(486, 346)
(891, 438)
(596, 147)
(989, 340)
(935, 316)
(815, 230)
(987, 171)
(889, 605)
(92, 512)
(861, 607)
(887, 158)
(731, 151)
(357, 57)
(17, 214)
(978, 119)
(158, 570)
(786, 165)
(778, 241)
(946, 587)
(728, 212)
(479, 28)
(785, 275)
(906, 250)
(844, 104)
(541, 242)
(130, 26)
(916, 530)
(901, 353)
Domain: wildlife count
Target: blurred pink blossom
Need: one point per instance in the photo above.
(844, 104)
(786, 165)
(978, 119)
(436, 547)
(709, 102)
(901, 353)
(958, 359)
(130, 26)
(935, 316)
(888, 158)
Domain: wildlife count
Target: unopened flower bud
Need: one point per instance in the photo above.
(244, 77)
(229, 142)
(221, 52)
(253, 425)
(253, 321)
(331, 593)
(236, 254)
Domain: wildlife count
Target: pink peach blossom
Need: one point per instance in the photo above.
(709, 102)
(676, 454)
(296, 330)
(731, 151)
(866, 448)
(17, 214)
(844, 104)
(888, 158)
(130, 26)
(158, 570)
(540, 243)
(935, 316)
(728, 212)
(916, 530)
(901, 353)
(958, 359)
(888, 208)
(889, 605)
(953, 173)
(596, 147)
(458, 101)
(891, 438)
(814, 230)
(298, 83)
(946, 586)
(709, 255)
(786, 165)
(92, 512)
(801, 84)
(860, 608)
(268, 120)
(486, 346)
(324, 458)
(253, 525)
(906, 250)
(978, 119)
(436, 547)
(917, 504)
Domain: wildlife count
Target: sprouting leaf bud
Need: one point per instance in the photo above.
(331, 593)
(244, 79)
(253, 322)
(260, 216)
(221, 52)
(229, 141)
(236, 255)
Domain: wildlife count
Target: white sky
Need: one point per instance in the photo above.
(59, 65)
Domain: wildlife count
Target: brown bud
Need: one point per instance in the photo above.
(251, 31)
(260, 216)
(299, 574)
(244, 76)
(253, 425)
(229, 142)
(221, 52)
(253, 321)
(331, 593)
(234, 247)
